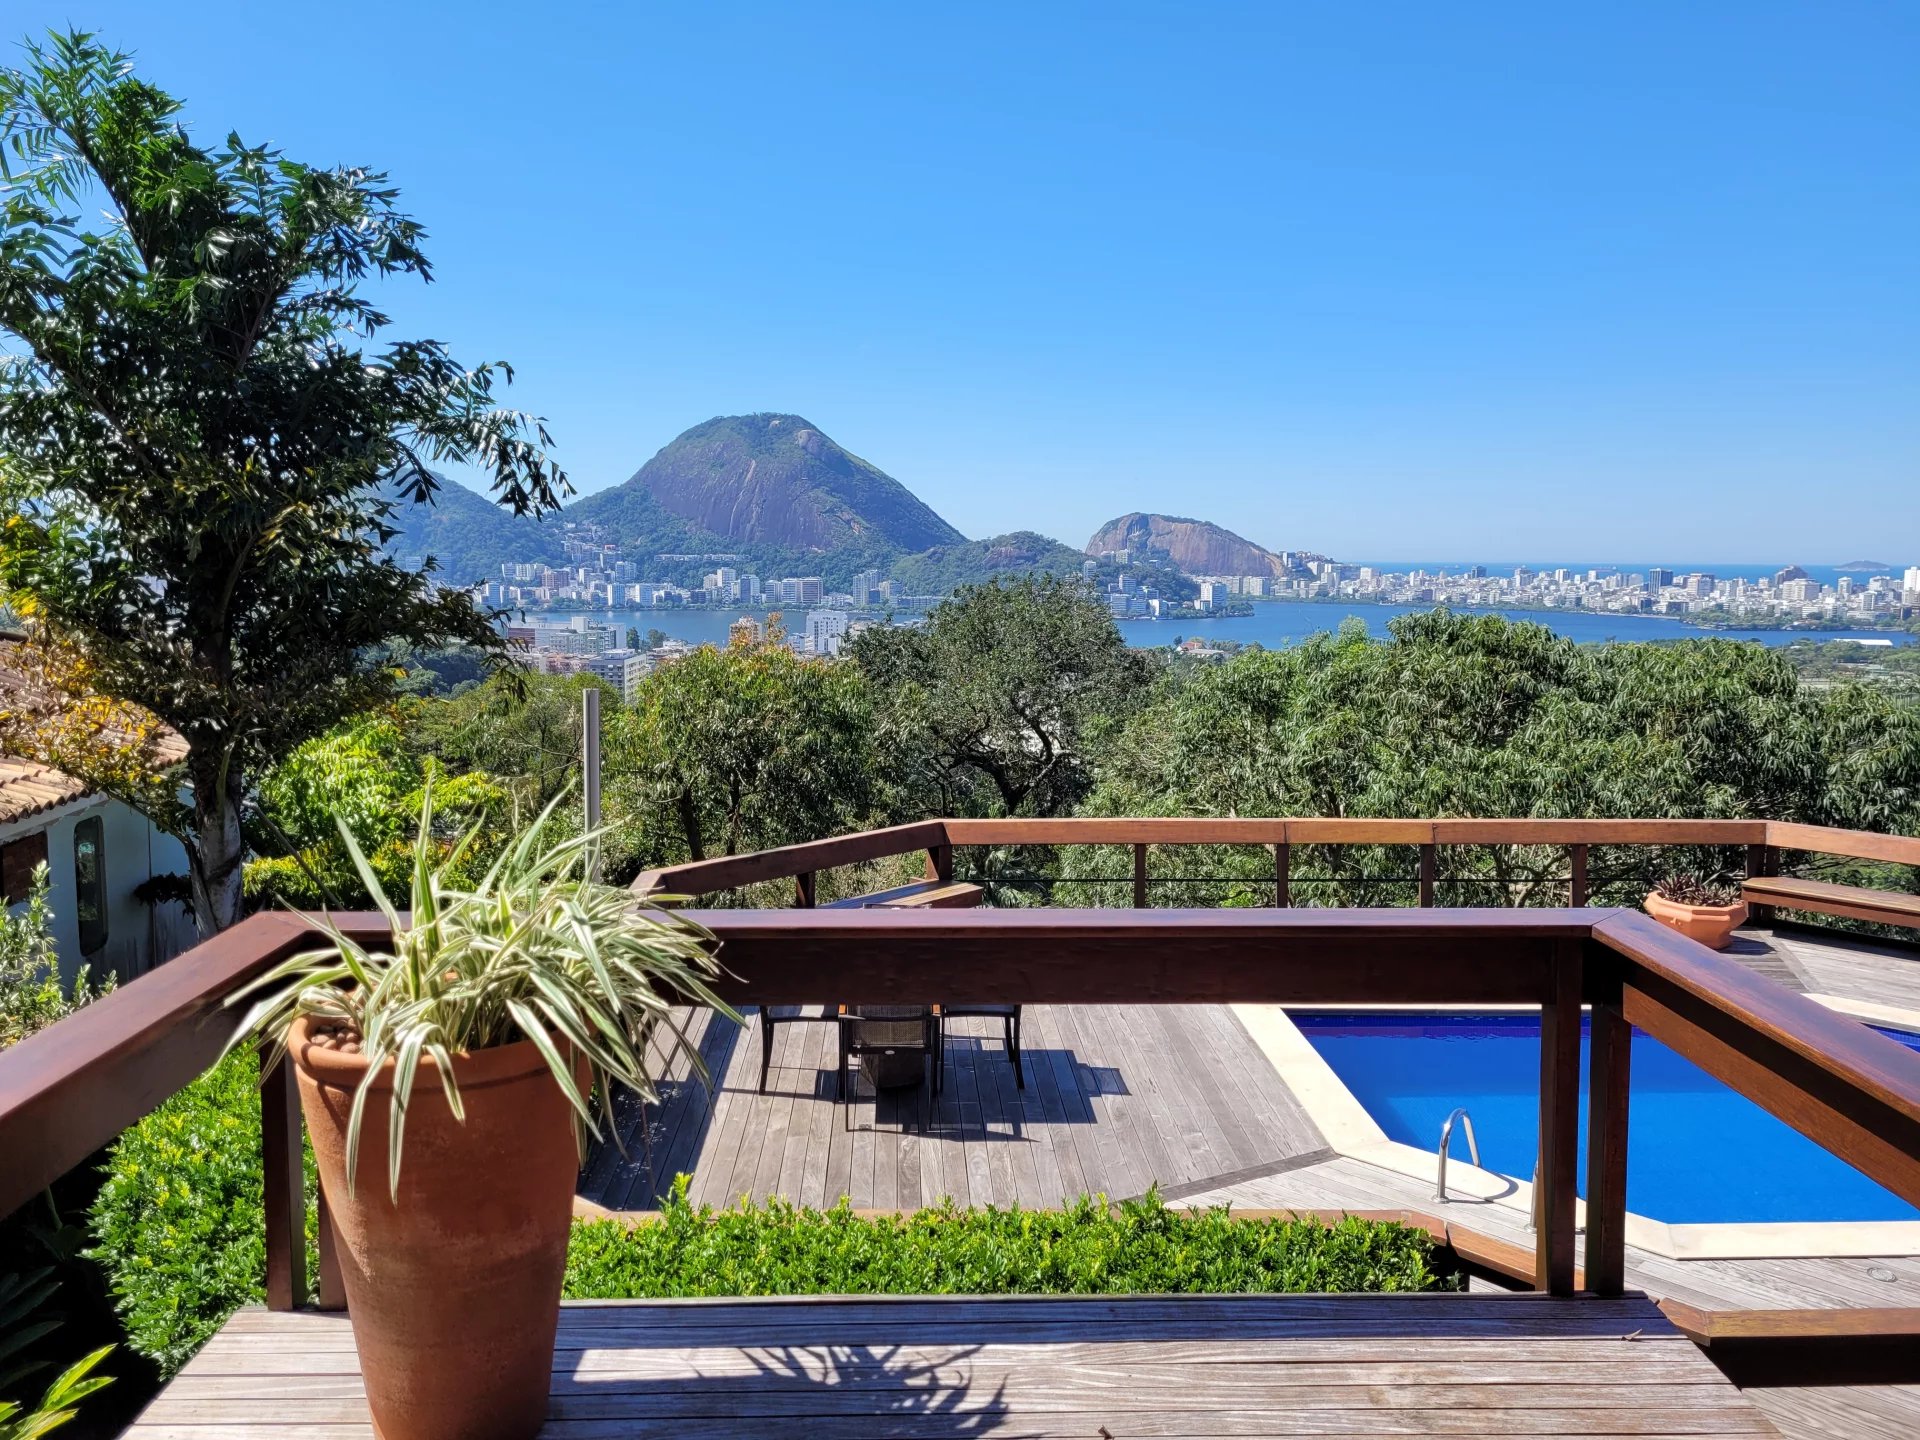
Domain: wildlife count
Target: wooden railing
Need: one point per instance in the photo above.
(1847, 1088)
(1762, 841)
(72, 1088)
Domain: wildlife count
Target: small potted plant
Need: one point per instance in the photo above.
(1707, 910)
(471, 1046)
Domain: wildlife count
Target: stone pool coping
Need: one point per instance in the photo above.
(1350, 1131)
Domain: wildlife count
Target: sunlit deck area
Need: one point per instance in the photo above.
(1117, 1098)
(1092, 1369)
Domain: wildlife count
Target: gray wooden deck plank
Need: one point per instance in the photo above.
(1172, 1149)
(790, 1178)
(1277, 1124)
(1065, 1105)
(1841, 1412)
(938, 1367)
(1123, 1170)
(994, 1071)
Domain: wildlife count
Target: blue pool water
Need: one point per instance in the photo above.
(1697, 1152)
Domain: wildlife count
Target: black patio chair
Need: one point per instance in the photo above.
(1009, 1018)
(886, 1032)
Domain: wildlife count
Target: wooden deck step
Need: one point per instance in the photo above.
(1362, 1365)
(921, 895)
(1889, 907)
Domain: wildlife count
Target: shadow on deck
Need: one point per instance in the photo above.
(1118, 1098)
(1082, 1367)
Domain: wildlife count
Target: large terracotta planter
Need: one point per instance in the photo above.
(454, 1292)
(1711, 925)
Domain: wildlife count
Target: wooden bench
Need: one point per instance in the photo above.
(922, 895)
(1888, 907)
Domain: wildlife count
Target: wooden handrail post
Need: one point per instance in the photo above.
(1577, 859)
(1429, 868)
(1762, 861)
(284, 1193)
(940, 863)
(1139, 877)
(1559, 1122)
(1609, 1071)
(804, 889)
(1282, 864)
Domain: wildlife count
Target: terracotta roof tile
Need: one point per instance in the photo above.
(28, 788)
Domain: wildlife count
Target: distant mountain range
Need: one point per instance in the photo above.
(776, 492)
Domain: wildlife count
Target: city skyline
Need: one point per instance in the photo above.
(1505, 282)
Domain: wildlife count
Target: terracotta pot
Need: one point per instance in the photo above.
(454, 1291)
(1711, 925)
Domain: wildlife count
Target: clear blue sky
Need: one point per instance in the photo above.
(1386, 281)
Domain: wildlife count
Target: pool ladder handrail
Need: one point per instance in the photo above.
(1446, 1140)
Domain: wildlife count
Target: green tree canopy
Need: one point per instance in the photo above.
(744, 748)
(1477, 716)
(994, 705)
(201, 440)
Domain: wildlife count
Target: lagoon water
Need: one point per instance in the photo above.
(1275, 623)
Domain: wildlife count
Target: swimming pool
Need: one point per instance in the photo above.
(1697, 1152)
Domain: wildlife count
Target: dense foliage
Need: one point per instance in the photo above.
(202, 445)
(32, 995)
(1084, 1249)
(179, 1224)
(364, 774)
(996, 704)
(748, 747)
(1480, 716)
(945, 569)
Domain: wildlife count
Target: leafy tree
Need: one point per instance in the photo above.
(522, 728)
(744, 748)
(994, 706)
(364, 775)
(1477, 716)
(201, 439)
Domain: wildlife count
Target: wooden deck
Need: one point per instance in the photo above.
(1081, 1368)
(1341, 1182)
(1118, 1098)
(1833, 963)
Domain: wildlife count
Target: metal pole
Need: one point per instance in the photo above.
(590, 766)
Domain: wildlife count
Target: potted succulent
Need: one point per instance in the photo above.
(1707, 910)
(472, 1047)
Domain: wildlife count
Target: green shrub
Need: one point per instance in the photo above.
(179, 1225)
(31, 995)
(1085, 1249)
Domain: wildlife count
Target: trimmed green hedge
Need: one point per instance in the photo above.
(179, 1225)
(1086, 1249)
(180, 1232)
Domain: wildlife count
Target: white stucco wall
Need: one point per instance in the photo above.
(133, 850)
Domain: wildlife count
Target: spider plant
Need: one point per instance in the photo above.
(537, 950)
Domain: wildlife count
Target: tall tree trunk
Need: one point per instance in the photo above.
(690, 822)
(217, 851)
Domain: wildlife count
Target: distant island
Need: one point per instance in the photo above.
(1865, 567)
